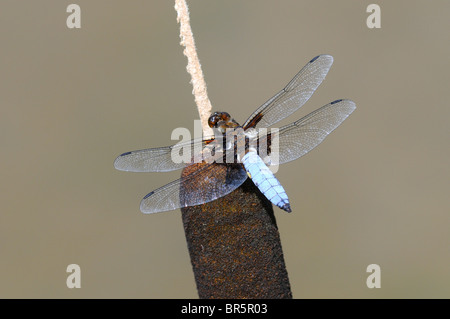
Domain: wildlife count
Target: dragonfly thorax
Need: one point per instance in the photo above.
(251, 133)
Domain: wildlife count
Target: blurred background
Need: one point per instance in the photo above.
(71, 100)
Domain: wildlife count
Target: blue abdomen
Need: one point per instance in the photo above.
(266, 181)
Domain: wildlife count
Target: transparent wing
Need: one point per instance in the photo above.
(294, 95)
(300, 137)
(159, 159)
(202, 185)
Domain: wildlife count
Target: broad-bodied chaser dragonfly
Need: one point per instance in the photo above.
(294, 140)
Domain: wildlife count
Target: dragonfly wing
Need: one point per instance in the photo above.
(294, 95)
(160, 159)
(300, 137)
(205, 183)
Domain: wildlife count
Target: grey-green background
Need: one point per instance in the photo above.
(376, 191)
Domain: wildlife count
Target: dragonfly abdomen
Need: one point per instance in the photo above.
(264, 179)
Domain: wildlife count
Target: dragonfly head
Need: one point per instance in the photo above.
(221, 121)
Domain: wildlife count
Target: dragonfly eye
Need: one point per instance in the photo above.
(218, 116)
(213, 119)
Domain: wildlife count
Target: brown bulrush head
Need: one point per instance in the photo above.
(235, 246)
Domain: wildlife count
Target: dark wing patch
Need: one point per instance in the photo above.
(200, 183)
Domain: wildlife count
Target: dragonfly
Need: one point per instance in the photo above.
(218, 177)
